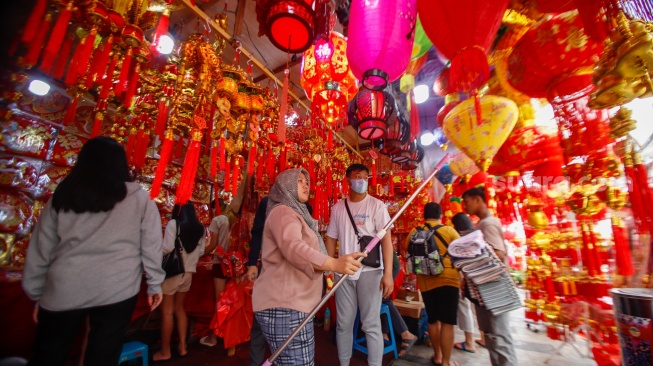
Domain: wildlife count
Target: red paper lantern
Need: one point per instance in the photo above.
(415, 158)
(406, 153)
(370, 112)
(395, 137)
(463, 31)
(289, 24)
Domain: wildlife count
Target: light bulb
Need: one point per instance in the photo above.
(427, 138)
(39, 87)
(421, 93)
(165, 44)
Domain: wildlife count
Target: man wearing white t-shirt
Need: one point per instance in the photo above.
(364, 290)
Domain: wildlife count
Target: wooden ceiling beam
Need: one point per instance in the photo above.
(278, 69)
(240, 17)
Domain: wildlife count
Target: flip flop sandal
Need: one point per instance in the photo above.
(461, 346)
(205, 343)
(479, 343)
(409, 343)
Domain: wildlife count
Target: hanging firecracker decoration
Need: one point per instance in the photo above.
(381, 37)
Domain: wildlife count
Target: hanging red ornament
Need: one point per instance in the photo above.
(34, 21)
(227, 178)
(329, 182)
(59, 31)
(189, 170)
(235, 174)
(62, 58)
(214, 159)
(85, 54)
(99, 62)
(71, 72)
(222, 153)
(374, 174)
(163, 109)
(107, 83)
(271, 166)
(283, 164)
(283, 110)
(131, 89)
(259, 167)
(34, 51)
(623, 253)
(415, 127)
(161, 28)
(100, 111)
(140, 153)
(164, 158)
(131, 144)
(251, 160)
(216, 199)
(71, 110)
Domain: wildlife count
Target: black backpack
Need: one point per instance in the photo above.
(423, 254)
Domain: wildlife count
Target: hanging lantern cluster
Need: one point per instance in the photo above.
(327, 78)
(395, 137)
(381, 37)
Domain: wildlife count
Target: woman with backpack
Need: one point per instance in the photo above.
(189, 231)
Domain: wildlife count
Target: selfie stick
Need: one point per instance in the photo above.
(368, 249)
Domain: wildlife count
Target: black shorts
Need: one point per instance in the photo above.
(216, 272)
(442, 304)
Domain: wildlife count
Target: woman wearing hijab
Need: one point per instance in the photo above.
(190, 231)
(464, 226)
(293, 260)
(93, 241)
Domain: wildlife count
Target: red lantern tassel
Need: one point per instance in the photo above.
(374, 174)
(107, 83)
(329, 183)
(588, 258)
(216, 199)
(636, 202)
(595, 248)
(315, 203)
(622, 249)
(283, 110)
(99, 63)
(259, 168)
(71, 111)
(124, 72)
(222, 153)
(161, 28)
(188, 172)
(62, 58)
(164, 158)
(179, 149)
(162, 116)
(469, 69)
(34, 50)
(282, 159)
(550, 289)
(59, 30)
(85, 55)
(46, 63)
(391, 185)
(71, 73)
(414, 118)
(227, 179)
(34, 21)
(131, 143)
(214, 159)
(141, 149)
(270, 166)
(345, 187)
(131, 89)
(235, 174)
(479, 111)
(251, 160)
(330, 140)
(100, 108)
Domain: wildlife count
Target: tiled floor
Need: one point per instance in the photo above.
(533, 349)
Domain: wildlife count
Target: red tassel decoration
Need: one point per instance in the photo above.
(216, 194)
(259, 168)
(99, 63)
(161, 28)
(374, 174)
(271, 166)
(34, 21)
(227, 178)
(71, 111)
(131, 143)
(414, 118)
(623, 254)
(636, 202)
(595, 248)
(235, 174)
(329, 182)
(315, 203)
(479, 111)
(179, 149)
(107, 82)
(345, 186)
(46, 63)
(550, 289)
(124, 72)
(100, 109)
(283, 110)
(282, 159)
(391, 186)
(87, 50)
(223, 158)
(586, 253)
(59, 31)
(188, 172)
(34, 50)
(214, 159)
(133, 85)
(62, 58)
(469, 69)
(164, 158)
(71, 73)
(251, 160)
(141, 149)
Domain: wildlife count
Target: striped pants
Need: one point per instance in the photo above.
(277, 324)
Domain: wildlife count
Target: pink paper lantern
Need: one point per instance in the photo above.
(381, 34)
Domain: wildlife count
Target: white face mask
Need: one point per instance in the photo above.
(358, 185)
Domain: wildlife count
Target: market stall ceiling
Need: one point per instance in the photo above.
(183, 23)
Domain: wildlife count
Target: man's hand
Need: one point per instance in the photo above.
(387, 284)
(154, 300)
(252, 273)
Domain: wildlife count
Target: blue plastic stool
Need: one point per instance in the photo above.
(388, 346)
(132, 351)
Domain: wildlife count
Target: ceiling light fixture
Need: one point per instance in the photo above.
(421, 93)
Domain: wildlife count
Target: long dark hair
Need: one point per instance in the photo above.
(97, 181)
(191, 229)
(462, 223)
